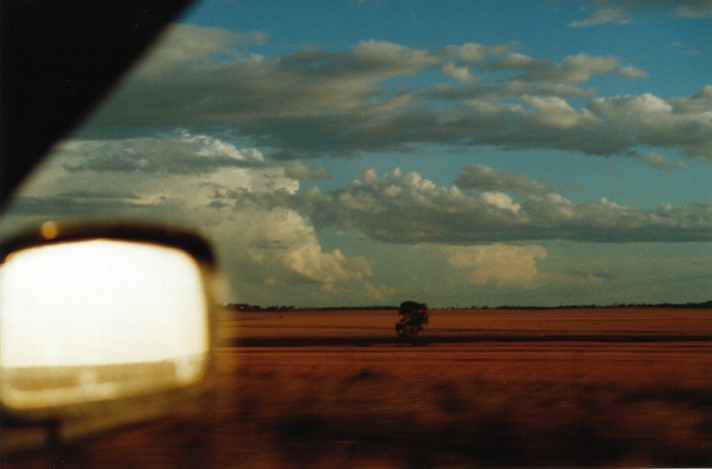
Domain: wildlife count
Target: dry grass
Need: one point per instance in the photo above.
(508, 403)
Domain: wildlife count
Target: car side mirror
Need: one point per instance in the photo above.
(99, 321)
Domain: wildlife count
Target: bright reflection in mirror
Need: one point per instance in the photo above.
(99, 319)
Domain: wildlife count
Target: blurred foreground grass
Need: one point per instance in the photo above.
(512, 404)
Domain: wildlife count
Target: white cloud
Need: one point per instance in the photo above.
(378, 292)
(555, 112)
(485, 178)
(648, 119)
(604, 15)
(630, 71)
(178, 153)
(500, 264)
(501, 201)
(232, 195)
(518, 61)
(392, 58)
(459, 73)
(700, 103)
(471, 52)
(280, 247)
(298, 170)
(344, 102)
(181, 45)
(581, 67)
(622, 11)
(695, 9)
(489, 206)
(658, 161)
(572, 69)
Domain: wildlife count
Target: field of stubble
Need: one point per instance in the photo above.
(623, 387)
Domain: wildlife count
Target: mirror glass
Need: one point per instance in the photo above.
(100, 319)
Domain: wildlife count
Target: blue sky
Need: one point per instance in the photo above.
(453, 152)
(540, 29)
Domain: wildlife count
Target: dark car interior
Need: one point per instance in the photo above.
(45, 48)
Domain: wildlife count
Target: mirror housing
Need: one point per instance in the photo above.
(103, 320)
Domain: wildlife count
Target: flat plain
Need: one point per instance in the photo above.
(619, 387)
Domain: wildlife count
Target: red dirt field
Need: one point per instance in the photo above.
(508, 388)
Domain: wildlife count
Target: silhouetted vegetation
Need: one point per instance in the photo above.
(413, 316)
(702, 305)
(244, 307)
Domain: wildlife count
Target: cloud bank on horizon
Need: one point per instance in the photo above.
(332, 175)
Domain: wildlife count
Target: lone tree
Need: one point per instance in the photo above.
(413, 317)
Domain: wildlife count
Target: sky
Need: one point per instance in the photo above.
(456, 153)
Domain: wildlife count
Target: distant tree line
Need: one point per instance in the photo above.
(244, 307)
(702, 305)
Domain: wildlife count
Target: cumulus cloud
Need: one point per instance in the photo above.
(630, 71)
(622, 11)
(163, 175)
(350, 101)
(456, 72)
(472, 53)
(279, 247)
(556, 112)
(500, 264)
(699, 104)
(232, 195)
(651, 120)
(250, 87)
(658, 161)
(518, 61)
(298, 170)
(182, 154)
(185, 44)
(485, 178)
(694, 9)
(574, 68)
(606, 13)
(489, 206)
(288, 111)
